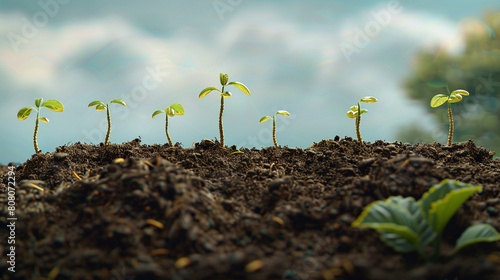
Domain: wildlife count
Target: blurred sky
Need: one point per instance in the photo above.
(312, 58)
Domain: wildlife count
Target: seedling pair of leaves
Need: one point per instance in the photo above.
(24, 113)
(356, 112)
(408, 225)
(440, 99)
(265, 118)
(100, 106)
(224, 78)
(170, 111)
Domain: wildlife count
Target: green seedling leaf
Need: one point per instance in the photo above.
(369, 99)
(442, 201)
(170, 112)
(44, 119)
(475, 234)
(223, 79)
(437, 83)
(157, 112)
(226, 94)
(38, 101)
(207, 91)
(353, 114)
(178, 109)
(53, 105)
(461, 91)
(283, 112)
(263, 119)
(100, 108)
(24, 113)
(454, 98)
(119, 101)
(240, 86)
(94, 103)
(438, 100)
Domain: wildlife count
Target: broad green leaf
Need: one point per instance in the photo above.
(354, 108)
(97, 102)
(369, 99)
(100, 107)
(223, 79)
(438, 100)
(179, 110)
(38, 101)
(170, 112)
(442, 201)
(283, 112)
(24, 113)
(157, 112)
(454, 98)
(226, 94)
(207, 91)
(44, 119)
(437, 83)
(475, 234)
(119, 101)
(263, 119)
(399, 220)
(241, 86)
(461, 91)
(53, 105)
(362, 111)
(352, 114)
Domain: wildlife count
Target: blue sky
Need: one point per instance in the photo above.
(314, 59)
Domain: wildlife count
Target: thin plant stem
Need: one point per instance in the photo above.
(166, 131)
(35, 142)
(274, 132)
(358, 122)
(106, 141)
(450, 116)
(221, 128)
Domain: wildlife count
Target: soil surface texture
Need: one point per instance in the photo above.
(135, 211)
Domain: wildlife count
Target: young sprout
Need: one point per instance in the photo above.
(265, 118)
(453, 97)
(172, 110)
(53, 105)
(224, 94)
(356, 112)
(100, 107)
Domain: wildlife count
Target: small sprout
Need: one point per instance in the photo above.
(356, 112)
(453, 97)
(236, 152)
(172, 110)
(100, 107)
(53, 105)
(265, 118)
(224, 94)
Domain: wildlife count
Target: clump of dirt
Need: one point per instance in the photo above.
(161, 212)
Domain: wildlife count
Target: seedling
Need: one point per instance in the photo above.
(356, 112)
(453, 97)
(224, 94)
(53, 105)
(265, 118)
(172, 110)
(100, 107)
(408, 225)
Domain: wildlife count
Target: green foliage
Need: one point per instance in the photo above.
(356, 112)
(408, 225)
(172, 110)
(265, 118)
(24, 113)
(100, 106)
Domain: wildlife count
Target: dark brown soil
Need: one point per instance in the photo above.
(160, 212)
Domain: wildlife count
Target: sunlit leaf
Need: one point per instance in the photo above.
(207, 91)
(263, 119)
(461, 91)
(24, 113)
(352, 114)
(475, 234)
(170, 112)
(241, 86)
(283, 112)
(223, 79)
(38, 101)
(53, 105)
(97, 102)
(226, 94)
(157, 112)
(438, 100)
(354, 108)
(454, 98)
(100, 107)
(363, 111)
(179, 110)
(119, 101)
(44, 119)
(369, 99)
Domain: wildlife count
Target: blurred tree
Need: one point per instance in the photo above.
(477, 70)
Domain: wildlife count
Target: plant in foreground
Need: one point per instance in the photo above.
(53, 105)
(100, 107)
(453, 97)
(223, 94)
(172, 110)
(408, 225)
(265, 118)
(356, 112)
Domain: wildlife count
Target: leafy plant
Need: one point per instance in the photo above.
(100, 107)
(408, 225)
(265, 118)
(356, 112)
(440, 99)
(53, 105)
(172, 110)
(224, 94)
